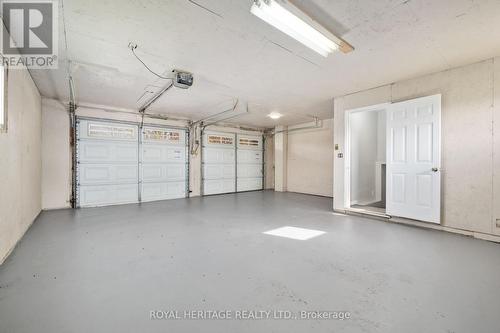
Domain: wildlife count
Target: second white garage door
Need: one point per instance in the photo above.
(232, 163)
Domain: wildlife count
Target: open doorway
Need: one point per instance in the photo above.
(393, 159)
(366, 159)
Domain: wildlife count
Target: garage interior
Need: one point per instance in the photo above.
(267, 165)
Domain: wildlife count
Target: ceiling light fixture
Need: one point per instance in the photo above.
(275, 115)
(289, 19)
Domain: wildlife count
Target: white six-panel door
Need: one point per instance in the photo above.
(219, 163)
(249, 163)
(163, 164)
(107, 163)
(413, 159)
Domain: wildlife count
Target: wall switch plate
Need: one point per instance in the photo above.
(336, 146)
(498, 223)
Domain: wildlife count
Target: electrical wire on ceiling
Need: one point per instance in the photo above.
(132, 47)
(72, 94)
(205, 8)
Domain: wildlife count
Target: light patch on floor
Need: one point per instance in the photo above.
(295, 233)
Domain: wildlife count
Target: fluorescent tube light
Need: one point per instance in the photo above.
(289, 19)
(275, 115)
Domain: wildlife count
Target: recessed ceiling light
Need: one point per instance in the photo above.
(290, 20)
(275, 115)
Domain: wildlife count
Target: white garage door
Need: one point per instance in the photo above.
(219, 163)
(163, 164)
(115, 167)
(249, 163)
(107, 163)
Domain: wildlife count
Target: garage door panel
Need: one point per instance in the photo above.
(164, 136)
(163, 173)
(163, 154)
(218, 155)
(250, 156)
(107, 173)
(219, 163)
(253, 142)
(105, 152)
(249, 171)
(106, 131)
(107, 156)
(219, 140)
(219, 186)
(163, 191)
(249, 184)
(102, 195)
(163, 164)
(215, 171)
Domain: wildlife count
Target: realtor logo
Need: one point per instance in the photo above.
(29, 36)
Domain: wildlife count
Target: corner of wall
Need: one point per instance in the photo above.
(56, 155)
(280, 159)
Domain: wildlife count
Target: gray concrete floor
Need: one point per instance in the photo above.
(105, 269)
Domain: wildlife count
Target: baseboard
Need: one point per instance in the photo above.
(425, 225)
(2, 260)
(312, 194)
(55, 208)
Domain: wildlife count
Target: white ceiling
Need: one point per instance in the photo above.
(234, 55)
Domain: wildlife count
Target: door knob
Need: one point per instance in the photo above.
(435, 169)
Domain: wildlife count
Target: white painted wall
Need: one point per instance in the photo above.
(20, 161)
(381, 136)
(496, 147)
(310, 160)
(56, 155)
(280, 159)
(469, 139)
(269, 163)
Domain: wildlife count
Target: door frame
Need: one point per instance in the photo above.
(347, 153)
